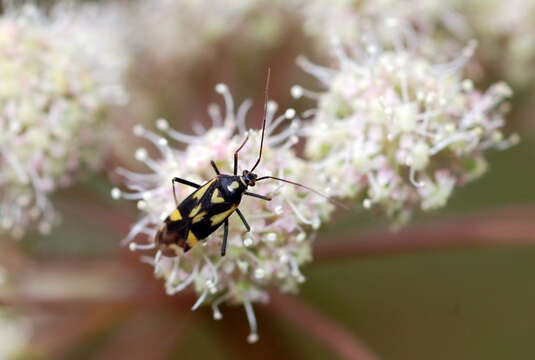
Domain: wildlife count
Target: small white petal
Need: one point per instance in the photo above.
(221, 88)
(252, 338)
(141, 154)
(296, 91)
(162, 124)
(139, 130)
(116, 193)
(289, 113)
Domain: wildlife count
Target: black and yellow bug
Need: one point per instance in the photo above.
(210, 206)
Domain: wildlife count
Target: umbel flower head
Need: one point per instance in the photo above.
(280, 240)
(57, 74)
(398, 131)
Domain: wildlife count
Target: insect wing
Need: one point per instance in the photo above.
(213, 209)
(193, 207)
(198, 208)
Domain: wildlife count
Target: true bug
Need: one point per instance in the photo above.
(211, 204)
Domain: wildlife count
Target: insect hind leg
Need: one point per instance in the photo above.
(182, 181)
(225, 237)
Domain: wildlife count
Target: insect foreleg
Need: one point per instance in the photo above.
(182, 181)
(225, 236)
(212, 162)
(243, 219)
(257, 196)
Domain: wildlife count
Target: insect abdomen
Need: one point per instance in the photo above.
(173, 234)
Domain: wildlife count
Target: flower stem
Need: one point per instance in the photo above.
(344, 344)
(507, 226)
(149, 334)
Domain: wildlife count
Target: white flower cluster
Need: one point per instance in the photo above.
(57, 74)
(349, 20)
(280, 240)
(505, 30)
(398, 131)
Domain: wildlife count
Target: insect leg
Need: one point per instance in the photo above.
(214, 166)
(225, 236)
(236, 155)
(182, 181)
(243, 219)
(257, 196)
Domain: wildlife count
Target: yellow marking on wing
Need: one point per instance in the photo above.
(195, 211)
(175, 215)
(218, 218)
(216, 197)
(198, 217)
(192, 239)
(200, 192)
(233, 185)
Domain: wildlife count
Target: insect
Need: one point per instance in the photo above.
(211, 204)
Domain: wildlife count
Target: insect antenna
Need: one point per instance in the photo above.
(264, 120)
(331, 200)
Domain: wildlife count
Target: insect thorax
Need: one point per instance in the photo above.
(232, 187)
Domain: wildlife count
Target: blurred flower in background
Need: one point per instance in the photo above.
(58, 75)
(505, 30)
(280, 239)
(179, 47)
(171, 23)
(397, 130)
(14, 336)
